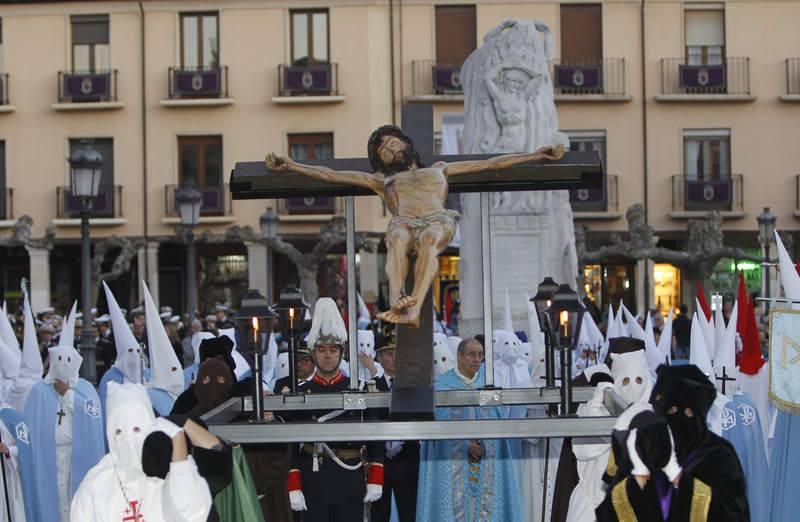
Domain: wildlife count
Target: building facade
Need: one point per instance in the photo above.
(693, 107)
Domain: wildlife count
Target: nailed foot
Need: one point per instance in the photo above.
(404, 303)
(409, 317)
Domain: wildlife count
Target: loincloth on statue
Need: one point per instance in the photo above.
(446, 218)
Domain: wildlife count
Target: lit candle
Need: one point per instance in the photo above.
(291, 319)
(255, 330)
(564, 317)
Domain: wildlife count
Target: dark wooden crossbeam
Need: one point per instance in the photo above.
(252, 179)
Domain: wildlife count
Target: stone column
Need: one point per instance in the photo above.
(148, 255)
(644, 269)
(368, 276)
(257, 266)
(39, 259)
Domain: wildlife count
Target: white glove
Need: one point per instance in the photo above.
(297, 500)
(162, 424)
(394, 447)
(672, 469)
(374, 493)
(639, 468)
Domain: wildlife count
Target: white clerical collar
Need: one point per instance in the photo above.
(466, 379)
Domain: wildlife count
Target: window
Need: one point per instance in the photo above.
(705, 36)
(303, 147)
(199, 40)
(3, 198)
(581, 34)
(90, 49)
(310, 37)
(456, 33)
(200, 159)
(589, 141)
(707, 154)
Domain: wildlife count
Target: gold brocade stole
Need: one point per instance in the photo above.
(701, 502)
(611, 469)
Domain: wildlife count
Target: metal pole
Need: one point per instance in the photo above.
(566, 379)
(352, 325)
(766, 277)
(87, 336)
(292, 358)
(486, 251)
(268, 287)
(258, 398)
(191, 277)
(549, 356)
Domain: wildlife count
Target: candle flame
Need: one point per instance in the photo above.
(291, 313)
(255, 324)
(564, 317)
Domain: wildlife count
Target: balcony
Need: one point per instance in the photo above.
(792, 81)
(692, 197)
(106, 207)
(590, 81)
(198, 87)
(216, 206)
(727, 81)
(305, 84)
(596, 204)
(435, 81)
(5, 105)
(87, 90)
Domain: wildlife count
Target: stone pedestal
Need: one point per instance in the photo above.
(147, 261)
(257, 267)
(39, 278)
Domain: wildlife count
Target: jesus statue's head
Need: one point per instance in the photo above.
(390, 151)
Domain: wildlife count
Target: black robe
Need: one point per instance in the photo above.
(627, 502)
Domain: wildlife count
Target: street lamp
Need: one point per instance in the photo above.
(86, 169)
(254, 319)
(542, 300)
(766, 231)
(188, 200)
(269, 231)
(291, 309)
(566, 315)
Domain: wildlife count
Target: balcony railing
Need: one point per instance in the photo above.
(216, 200)
(429, 77)
(4, 89)
(576, 77)
(793, 76)
(107, 204)
(731, 76)
(604, 199)
(198, 82)
(724, 193)
(87, 86)
(308, 80)
(6, 203)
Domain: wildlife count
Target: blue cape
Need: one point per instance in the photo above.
(742, 428)
(784, 469)
(190, 374)
(88, 436)
(447, 479)
(162, 401)
(15, 424)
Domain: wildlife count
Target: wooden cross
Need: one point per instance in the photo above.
(61, 414)
(724, 378)
(412, 395)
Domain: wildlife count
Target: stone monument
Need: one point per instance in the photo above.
(509, 108)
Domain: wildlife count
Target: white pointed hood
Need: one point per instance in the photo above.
(67, 335)
(698, 350)
(9, 337)
(242, 366)
(707, 327)
(535, 335)
(31, 366)
(366, 345)
(166, 373)
(269, 360)
(726, 351)
(452, 343)
(363, 313)
(790, 279)
(65, 361)
(719, 335)
(510, 368)
(129, 352)
(9, 362)
(631, 374)
(665, 341)
(652, 355)
(649, 333)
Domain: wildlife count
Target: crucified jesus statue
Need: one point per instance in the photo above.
(415, 195)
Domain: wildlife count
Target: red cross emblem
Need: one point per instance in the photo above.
(133, 514)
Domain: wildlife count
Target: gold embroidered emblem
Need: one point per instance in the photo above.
(701, 501)
(621, 503)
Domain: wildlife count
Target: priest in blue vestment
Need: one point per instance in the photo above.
(66, 429)
(742, 428)
(467, 480)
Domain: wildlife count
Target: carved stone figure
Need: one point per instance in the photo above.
(415, 195)
(509, 107)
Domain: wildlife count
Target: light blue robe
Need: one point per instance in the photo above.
(190, 374)
(453, 489)
(784, 471)
(162, 401)
(113, 374)
(741, 427)
(16, 425)
(88, 436)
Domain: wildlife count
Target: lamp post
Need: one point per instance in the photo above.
(188, 200)
(291, 309)
(86, 166)
(766, 231)
(269, 231)
(254, 319)
(542, 301)
(566, 315)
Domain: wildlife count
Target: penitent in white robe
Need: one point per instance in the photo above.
(13, 482)
(64, 451)
(182, 496)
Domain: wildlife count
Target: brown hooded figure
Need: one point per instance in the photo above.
(213, 386)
